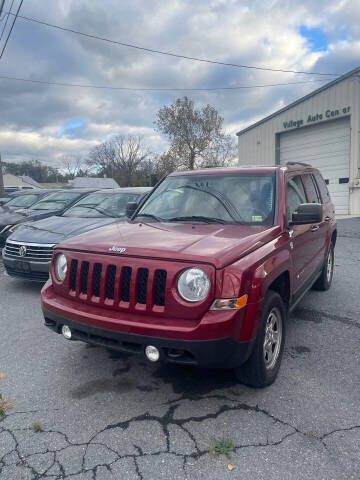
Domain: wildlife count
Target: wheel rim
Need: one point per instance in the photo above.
(330, 266)
(273, 338)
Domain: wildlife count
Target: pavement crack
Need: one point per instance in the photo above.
(338, 430)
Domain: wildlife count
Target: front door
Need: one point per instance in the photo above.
(301, 236)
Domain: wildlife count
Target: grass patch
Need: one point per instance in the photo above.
(36, 427)
(224, 446)
(4, 404)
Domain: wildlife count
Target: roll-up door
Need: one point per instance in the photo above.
(325, 146)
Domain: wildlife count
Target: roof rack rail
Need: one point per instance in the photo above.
(299, 163)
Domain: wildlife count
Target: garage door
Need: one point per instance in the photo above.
(325, 146)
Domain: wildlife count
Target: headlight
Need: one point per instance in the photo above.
(60, 267)
(193, 285)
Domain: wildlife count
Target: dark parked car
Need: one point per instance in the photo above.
(22, 198)
(28, 251)
(206, 272)
(7, 196)
(53, 204)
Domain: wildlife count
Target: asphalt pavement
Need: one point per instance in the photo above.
(85, 413)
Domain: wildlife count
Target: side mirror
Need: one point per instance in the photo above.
(307, 213)
(130, 209)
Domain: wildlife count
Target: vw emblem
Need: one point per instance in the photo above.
(22, 251)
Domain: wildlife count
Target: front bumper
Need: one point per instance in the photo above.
(26, 269)
(214, 353)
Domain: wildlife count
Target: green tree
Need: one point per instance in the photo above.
(195, 135)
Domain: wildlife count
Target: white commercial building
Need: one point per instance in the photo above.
(321, 129)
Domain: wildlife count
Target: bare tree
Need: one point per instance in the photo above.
(195, 134)
(221, 153)
(119, 157)
(102, 158)
(74, 165)
(129, 155)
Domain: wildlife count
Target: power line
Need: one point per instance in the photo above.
(170, 54)
(140, 89)
(7, 19)
(11, 29)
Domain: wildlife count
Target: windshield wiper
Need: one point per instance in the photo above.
(149, 215)
(198, 218)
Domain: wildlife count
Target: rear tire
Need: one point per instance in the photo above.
(262, 367)
(324, 281)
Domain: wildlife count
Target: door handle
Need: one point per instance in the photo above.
(314, 228)
(327, 218)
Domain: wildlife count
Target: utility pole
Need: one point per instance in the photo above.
(1, 6)
(2, 190)
(2, 2)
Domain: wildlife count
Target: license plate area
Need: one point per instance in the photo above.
(20, 266)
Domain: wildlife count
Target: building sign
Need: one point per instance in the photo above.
(317, 117)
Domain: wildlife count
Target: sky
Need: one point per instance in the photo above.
(49, 123)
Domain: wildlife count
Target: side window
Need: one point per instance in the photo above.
(312, 189)
(323, 188)
(295, 195)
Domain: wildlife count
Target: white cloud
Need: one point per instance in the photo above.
(260, 32)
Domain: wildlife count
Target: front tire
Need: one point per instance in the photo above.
(262, 367)
(324, 281)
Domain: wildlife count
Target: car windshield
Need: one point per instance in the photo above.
(23, 201)
(102, 204)
(57, 201)
(246, 199)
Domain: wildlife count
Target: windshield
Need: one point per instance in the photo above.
(23, 201)
(102, 204)
(246, 199)
(57, 201)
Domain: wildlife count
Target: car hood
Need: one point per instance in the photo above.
(217, 244)
(11, 217)
(56, 229)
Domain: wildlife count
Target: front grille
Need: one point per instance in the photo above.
(122, 284)
(37, 253)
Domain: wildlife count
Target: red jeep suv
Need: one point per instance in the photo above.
(204, 273)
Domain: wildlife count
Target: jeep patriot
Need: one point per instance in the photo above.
(205, 271)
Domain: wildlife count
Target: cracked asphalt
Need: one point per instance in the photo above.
(108, 416)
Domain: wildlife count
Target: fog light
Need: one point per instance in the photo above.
(152, 353)
(66, 332)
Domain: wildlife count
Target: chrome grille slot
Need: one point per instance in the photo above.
(37, 253)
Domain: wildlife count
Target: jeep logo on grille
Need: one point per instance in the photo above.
(117, 249)
(22, 251)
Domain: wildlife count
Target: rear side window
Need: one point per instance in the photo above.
(295, 195)
(312, 189)
(322, 187)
